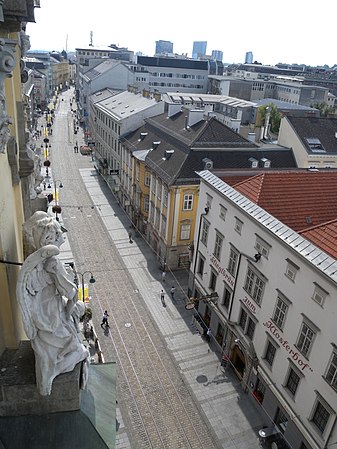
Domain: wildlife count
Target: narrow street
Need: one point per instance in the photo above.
(159, 355)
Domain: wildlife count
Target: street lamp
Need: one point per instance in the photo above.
(56, 208)
(212, 297)
(92, 280)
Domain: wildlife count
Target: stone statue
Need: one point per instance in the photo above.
(48, 302)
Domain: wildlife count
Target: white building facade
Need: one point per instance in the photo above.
(275, 315)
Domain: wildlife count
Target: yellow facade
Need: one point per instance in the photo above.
(12, 170)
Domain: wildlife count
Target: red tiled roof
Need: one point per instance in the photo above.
(324, 236)
(300, 199)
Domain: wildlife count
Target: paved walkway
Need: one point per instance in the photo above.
(233, 415)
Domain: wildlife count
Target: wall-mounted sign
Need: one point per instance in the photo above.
(294, 355)
(227, 276)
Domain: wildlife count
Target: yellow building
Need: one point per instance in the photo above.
(16, 164)
(163, 200)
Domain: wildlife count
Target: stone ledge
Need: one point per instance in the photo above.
(18, 393)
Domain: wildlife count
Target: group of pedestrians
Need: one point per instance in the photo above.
(162, 293)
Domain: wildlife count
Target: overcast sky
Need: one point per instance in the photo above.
(288, 31)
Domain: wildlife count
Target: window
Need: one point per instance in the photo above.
(281, 420)
(320, 416)
(331, 374)
(319, 295)
(280, 312)
(201, 266)
(262, 247)
(232, 263)
(218, 245)
(270, 353)
(159, 189)
(163, 225)
(209, 200)
(250, 329)
(238, 226)
(223, 212)
(243, 319)
(226, 298)
(212, 281)
(291, 270)
(292, 381)
(305, 339)
(185, 230)
(188, 202)
(247, 324)
(204, 232)
(146, 203)
(165, 196)
(254, 286)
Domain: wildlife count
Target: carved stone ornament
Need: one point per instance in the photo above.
(48, 301)
(7, 64)
(12, 151)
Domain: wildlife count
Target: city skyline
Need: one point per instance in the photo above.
(272, 38)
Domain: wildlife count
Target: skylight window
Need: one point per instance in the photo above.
(315, 145)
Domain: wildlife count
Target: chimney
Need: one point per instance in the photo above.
(157, 96)
(168, 154)
(195, 116)
(251, 137)
(142, 136)
(173, 109)
(146, 93)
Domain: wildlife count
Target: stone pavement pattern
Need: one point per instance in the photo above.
(160, 356)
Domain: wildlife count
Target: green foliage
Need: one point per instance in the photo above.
(275, 117)
(87, 314)
(324, 109)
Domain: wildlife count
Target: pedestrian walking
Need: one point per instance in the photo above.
(130, 237)
(173, 290)
(162, 298)
(163, 276)
(105, 319)
(208, 335)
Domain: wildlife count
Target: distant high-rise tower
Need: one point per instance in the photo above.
(217, 55)
(249, 57)
(163, 47)
(199, 49)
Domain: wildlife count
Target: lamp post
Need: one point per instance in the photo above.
(92, 280)
(56, 208)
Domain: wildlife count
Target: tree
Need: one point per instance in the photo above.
(275, 117)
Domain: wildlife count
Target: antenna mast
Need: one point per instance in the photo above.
(91, 39)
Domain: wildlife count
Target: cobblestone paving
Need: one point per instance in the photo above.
(155, 408)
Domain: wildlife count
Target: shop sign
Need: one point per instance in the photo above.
(227, 276)
(294, 355)
(249, 303)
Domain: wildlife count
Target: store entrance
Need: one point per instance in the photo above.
(238, 360)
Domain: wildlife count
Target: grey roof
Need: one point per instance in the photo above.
(181, 97)
(283, 104)
(317, 134)
(125, 104)
(103, 94)
(209, 139)
(101, 68)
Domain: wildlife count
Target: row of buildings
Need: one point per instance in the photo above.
(23, 412)
(255, 223)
